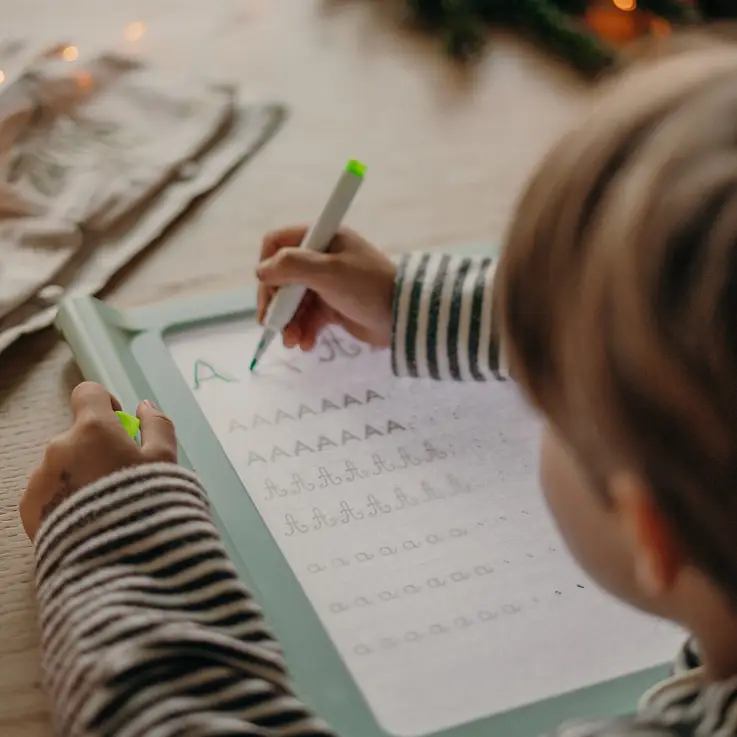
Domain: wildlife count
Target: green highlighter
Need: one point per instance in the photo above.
(318, 238)
(131, 423)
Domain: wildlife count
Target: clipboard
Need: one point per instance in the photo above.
(126, 351)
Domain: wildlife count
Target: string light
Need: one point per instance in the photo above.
(70, 53)
(626, 5)
(134, 31)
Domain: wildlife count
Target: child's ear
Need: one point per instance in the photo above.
(656, 555)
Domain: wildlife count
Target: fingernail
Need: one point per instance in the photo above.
(150, 404)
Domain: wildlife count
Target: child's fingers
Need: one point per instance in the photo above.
(291, 335)
(89, 398)
(293, 332)
(308, 317)
(265, 295)
(306, 307)
(311, 328)
(311, 317)
(272, 243)
(261, 302)
(158, 437)
(314, 270)
(283, 238)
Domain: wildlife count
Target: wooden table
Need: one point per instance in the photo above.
(448, 154)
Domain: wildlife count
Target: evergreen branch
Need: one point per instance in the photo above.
(677, 11)
(554, 24)
(455, 21)
(573, 7)
(558, 31)
(718, 9)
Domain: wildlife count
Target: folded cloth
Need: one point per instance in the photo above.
(97, 157)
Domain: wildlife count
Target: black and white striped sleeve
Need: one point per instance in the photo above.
(443, 318)
(146, 628)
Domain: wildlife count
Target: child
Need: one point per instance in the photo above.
(616, 300)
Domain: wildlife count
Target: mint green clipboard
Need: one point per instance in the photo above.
(125, 350)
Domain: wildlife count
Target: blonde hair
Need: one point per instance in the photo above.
(616, 293)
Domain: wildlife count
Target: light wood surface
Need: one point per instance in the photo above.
(448, 153)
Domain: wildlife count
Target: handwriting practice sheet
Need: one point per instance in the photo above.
(411, 515)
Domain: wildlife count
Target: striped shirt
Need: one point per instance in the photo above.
(442, 318)
(148, 631)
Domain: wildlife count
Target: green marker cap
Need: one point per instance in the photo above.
(356, 167)
(131, 424)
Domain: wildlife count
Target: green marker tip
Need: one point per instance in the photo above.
(356, 167)
(259, 351)
(131, 424)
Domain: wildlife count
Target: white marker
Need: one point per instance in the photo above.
(287, 299)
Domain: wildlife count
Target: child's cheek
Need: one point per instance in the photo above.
(589, 529)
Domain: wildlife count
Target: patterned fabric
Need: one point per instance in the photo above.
(147, 630)
(442, 319)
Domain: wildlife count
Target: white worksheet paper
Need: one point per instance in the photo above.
(411, 515)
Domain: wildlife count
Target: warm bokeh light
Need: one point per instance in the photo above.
(615, 26)
(70, 53)
(2, 76)
(627, 5)
(134, 31)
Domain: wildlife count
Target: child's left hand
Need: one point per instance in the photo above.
(95, 446)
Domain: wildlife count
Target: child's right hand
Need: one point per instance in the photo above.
(352, 285)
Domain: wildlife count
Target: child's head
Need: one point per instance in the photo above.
(617, 300)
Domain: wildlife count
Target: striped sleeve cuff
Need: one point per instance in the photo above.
(104, 508)
(146, 627)
(688, 658)
(443, 318)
